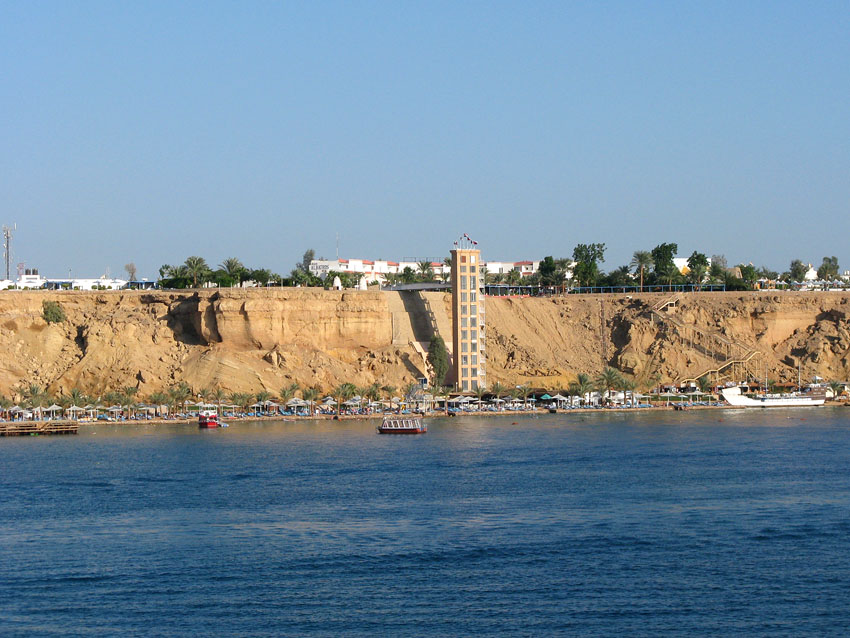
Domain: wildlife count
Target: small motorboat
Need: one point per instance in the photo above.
(402, 426)
(208, 419)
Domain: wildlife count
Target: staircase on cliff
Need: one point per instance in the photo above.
(732, 358)
(416, 318)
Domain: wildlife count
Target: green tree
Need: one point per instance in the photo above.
(425, 270)
(287, 392)
(480, 391)
(765, 273)
(35, 397)
(263, 396)
(233, 269)
(261, 275)
(581, 386)
(438, 359)
(586, 267)
(717, 270)
(76, 397)
(343, 393)
(618, 277)
(828, 269)
(641, 260)
(307, 258)
(174, 276)
(179, 394)
(498, 390)
(158, 399)
(662, 257)
(698, 267)
(310, 395)
(408, 276)
(749, 273)
(608, 379)
(798, 270)
(550, 274)
(197, 269)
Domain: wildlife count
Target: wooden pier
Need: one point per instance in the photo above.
(37, 428)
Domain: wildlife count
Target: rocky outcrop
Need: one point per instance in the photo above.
(248, 340)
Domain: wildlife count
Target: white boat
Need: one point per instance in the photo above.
(402, 426)
(734, 398)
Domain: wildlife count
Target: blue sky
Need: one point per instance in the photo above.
(148, 132)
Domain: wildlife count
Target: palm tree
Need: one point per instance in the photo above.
(310, 395)
(158, 399)
(837, 389)
(581, 386)
(343, 393)
(287, 392)
(627, 386)
(262, 397)
(197, 268)
(218, 395)
(241, 399)
(426, 271)
(36, 397)
(76, 397)
(609, 378)
(233, 268)
(480, 391)
(523, 392)
(498, 390)
(641, 260)
(179, 394)
(372, 392)
(387, 391)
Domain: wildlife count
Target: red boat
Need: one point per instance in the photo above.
(208, 419)
(402, 426)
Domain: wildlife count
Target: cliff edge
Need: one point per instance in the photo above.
(248, 340)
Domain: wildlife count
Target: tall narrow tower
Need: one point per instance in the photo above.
(467, 316)
(7, 249)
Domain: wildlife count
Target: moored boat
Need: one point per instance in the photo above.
(402, 426)
(735, 398)
(208, 419)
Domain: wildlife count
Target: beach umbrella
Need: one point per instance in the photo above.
(545, 397)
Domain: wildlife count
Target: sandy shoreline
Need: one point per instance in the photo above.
(368, 417)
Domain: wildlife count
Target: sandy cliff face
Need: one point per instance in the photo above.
(248, 340)
(553, 339)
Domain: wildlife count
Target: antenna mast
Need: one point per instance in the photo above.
(7, 248)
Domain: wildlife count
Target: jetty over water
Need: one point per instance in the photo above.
(37, 428)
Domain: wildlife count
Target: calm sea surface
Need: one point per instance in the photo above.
(713, 523)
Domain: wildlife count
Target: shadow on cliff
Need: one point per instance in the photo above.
(420, 320)
(184, 321)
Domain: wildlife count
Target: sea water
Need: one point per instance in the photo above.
(715, 523)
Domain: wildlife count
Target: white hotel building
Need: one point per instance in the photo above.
(376, 270)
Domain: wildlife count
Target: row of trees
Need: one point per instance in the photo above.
(176, 397)
(647, 267)
(656, 266)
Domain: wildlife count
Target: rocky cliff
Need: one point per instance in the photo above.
(248, 340)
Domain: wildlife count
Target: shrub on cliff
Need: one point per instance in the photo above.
(438, 359)
(52, 312)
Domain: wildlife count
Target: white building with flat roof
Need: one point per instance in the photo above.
(377, 270)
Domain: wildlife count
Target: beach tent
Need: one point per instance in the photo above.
(74, 411)
(53, 409)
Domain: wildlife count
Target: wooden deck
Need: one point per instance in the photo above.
(38, 428)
